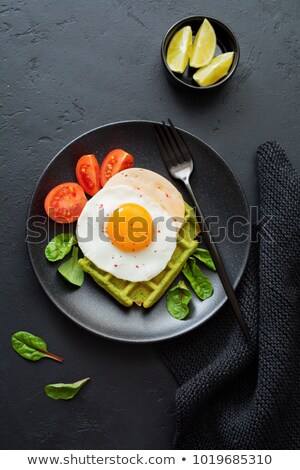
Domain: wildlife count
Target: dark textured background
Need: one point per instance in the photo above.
(67, 67)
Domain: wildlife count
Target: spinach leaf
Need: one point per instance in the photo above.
(200, 283)
(64, 391)
(60, 246)
(31, 347)
(205, 256)
(71, 270)
(177, 301)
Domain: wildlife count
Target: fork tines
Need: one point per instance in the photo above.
(174, 150)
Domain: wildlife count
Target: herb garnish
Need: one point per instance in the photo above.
(31, 347)
(71, 270)
(178, 299)
(62, 391)
(204, 255)
(200, 283)
(60, 246)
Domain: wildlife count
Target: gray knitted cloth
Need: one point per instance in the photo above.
(232, 395)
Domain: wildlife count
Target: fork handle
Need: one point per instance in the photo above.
(219, 265)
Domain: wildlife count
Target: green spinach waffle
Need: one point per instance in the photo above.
(148, 292)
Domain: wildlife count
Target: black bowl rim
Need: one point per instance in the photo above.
(201, 18)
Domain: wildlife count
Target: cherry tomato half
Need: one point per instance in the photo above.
(65, 202)
(87, 174)
(115, 161)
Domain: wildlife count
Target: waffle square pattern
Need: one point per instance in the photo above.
(146, 293)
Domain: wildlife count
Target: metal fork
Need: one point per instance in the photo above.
(179, 163)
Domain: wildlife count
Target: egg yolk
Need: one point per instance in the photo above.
(130, 228)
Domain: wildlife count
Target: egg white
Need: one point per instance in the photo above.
(96, 245)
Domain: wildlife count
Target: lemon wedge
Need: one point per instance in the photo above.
(204, 46)
(179, 49)
(217, 69)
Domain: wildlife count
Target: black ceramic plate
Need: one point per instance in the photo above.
(219, 194)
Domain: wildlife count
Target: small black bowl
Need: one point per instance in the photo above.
(226, 42)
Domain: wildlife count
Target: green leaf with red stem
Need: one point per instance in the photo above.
(31, 347)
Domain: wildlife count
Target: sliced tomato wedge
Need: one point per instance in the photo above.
(115, 161)
(65, 202)
(87, 174)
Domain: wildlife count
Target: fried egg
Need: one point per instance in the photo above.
(156, 187)
(127, 233)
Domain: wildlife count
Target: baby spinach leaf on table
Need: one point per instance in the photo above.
(71, 270)
(62, 391)
(200, 283)
(31, 347)
(178, 299)
(204, 255)
(60, 246)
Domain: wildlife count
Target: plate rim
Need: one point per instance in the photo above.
(165, 337)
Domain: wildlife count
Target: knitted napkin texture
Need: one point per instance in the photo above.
(233, 395)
